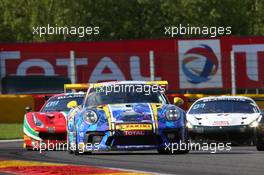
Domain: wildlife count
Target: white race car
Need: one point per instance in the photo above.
(224, 119)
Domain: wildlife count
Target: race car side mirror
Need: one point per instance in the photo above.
(46, 97)
(178, 101)
(28, 108)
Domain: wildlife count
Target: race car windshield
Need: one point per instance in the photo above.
(101, 97)
(224, 106)
(61, 103)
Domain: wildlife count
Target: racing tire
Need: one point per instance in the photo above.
(163, 151)
(29, 149)
(182, 152)
(76, 151)
(88, 153)
(69, 145)
(260, 147)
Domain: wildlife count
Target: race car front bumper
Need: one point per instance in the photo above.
(241, 134)
(43, 137)
(136, 140)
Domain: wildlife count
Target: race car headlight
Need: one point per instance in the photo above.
(189, 125)
(172, 114)
(254, 124)
(90, 117)
(260, 118)
(36, 121)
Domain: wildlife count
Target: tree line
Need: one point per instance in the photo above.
(126, 19)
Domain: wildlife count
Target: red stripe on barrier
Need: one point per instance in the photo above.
(59, 170)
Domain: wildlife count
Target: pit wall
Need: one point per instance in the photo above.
(12, 107)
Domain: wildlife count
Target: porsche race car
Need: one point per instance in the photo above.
(126, 115)
(49, 124)
(224, 118)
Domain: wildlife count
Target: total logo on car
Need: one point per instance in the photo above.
(231, 119)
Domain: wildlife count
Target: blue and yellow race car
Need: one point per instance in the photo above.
(127, 115)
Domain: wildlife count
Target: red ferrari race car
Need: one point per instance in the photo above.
(48, 126)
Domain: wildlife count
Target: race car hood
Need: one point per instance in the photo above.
(49, 118)
(131, 113)
(222, 119)
(113, 115)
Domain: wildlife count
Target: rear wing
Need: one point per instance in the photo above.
(76, 87)
(80, 87)
(163, 84)
(160, 83)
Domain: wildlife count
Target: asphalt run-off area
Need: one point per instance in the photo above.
(239, 160)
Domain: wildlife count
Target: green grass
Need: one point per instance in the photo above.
(11, 131)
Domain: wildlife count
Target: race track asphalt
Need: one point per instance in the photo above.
(239, 160)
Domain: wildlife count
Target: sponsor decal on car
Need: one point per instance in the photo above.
(134, 133)
(221, 123)
(129, 127)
